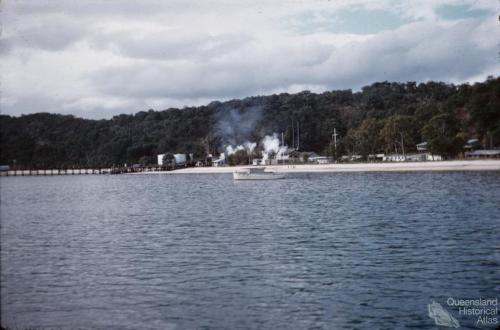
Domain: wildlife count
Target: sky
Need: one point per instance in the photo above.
(97, 58)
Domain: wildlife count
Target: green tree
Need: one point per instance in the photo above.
(367, 137)
(399, 133)
(240, 157)
(168, 160)
(442, 135)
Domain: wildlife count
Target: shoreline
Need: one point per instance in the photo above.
(454, 165)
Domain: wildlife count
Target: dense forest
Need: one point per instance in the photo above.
(369, 121)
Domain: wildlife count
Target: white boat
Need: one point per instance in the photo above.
(256, 174)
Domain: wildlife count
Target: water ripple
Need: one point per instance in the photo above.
(322, 251)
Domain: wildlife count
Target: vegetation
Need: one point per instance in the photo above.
(383, 117)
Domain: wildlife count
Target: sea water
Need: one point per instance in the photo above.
(313, 251)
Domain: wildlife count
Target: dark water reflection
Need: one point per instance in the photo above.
(326, 251)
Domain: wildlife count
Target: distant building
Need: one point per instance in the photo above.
(160, 159)
(283, 156)
(178, 159)
(422, 147)
(351, 158)
(301, 156)
(257, 162)
(219, 162)
(431, 157)
(321, 160)
(422, 157)
(394, 158)
(472, 144)
(376, 157)
(492, 153)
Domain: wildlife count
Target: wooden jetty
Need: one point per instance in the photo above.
(80, 171)
(37, 172)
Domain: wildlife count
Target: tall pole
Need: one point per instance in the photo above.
(293, 135)
(331, 152)
(282, 146)
(298, 135)
(335, 141)
(402, 145)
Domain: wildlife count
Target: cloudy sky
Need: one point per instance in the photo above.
(97, 58)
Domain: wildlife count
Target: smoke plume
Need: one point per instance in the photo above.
(234, 126)
(271, 145)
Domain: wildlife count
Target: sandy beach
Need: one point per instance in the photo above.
(458, 165)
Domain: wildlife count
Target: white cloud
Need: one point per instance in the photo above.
(98, 58)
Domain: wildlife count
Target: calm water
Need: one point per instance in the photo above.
(325, 251)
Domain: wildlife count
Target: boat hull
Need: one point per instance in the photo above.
(257, 176)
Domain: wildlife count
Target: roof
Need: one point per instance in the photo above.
(422, 146)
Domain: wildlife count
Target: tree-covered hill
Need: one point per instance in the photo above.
(373, 120)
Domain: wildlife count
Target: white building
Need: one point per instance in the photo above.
(219, 162)
(430, 157)
(492, 153)
(179, 159)
(160, 159)
(394, 158)
(321, 159)
(257, 162)
(411, 158)
(283, 156)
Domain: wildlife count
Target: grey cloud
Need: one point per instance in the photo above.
(122, 9)
(6, 45)
(92, 7)
(53, 33)
(240, 72)
(31, 103)
(171, 45)
(183, 67)
(420, 51)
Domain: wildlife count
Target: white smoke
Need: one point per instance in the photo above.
(248, 146)
(230, 150)
(271, 145)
